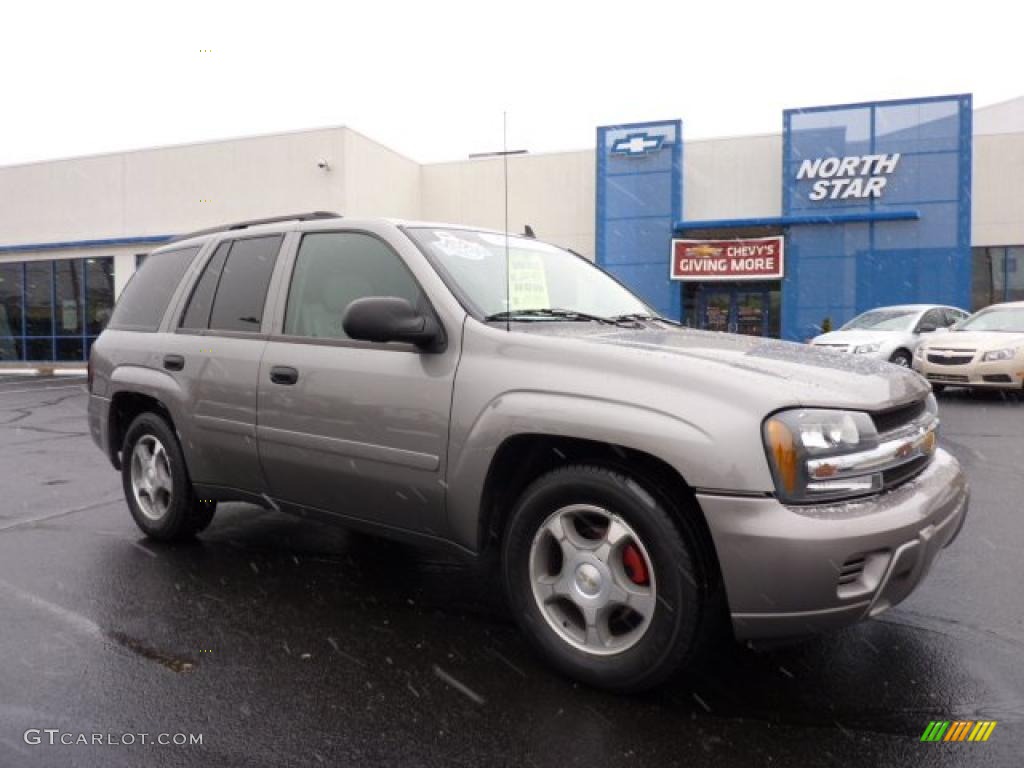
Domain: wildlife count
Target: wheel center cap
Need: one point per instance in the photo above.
(588, 579)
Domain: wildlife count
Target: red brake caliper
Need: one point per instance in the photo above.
(634, 564)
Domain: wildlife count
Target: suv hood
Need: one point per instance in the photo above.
(790, 374)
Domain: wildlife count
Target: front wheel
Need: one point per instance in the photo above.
(602, 579)
(156, 482)
(901, 358)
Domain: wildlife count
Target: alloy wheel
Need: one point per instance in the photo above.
(593, 579)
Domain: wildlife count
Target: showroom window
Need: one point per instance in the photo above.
(53, 310)
(998, 275)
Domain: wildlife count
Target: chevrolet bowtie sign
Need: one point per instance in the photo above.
(843, 178)
(637, 144)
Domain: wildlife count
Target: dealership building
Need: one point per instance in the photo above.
(848, 207)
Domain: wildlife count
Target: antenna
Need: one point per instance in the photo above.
(508, 263)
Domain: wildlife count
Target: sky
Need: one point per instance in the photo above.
(432, 79)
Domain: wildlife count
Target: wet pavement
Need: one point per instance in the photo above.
(285, 642)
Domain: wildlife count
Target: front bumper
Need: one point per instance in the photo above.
(995, 374)
(792, 571)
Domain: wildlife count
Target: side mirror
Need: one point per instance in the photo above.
(388, 318)
(927, 328)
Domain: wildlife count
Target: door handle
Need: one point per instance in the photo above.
(283, 374)
(174, 362)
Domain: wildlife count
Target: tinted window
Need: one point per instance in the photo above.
(197, 316)
(242, 290)
(99, 293)
(332, 270)
(145, 298)
(933, 317)
(39, 299)
(952, 316)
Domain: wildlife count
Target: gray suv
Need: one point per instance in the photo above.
(638, 484)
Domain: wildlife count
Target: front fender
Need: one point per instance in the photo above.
(541, 413)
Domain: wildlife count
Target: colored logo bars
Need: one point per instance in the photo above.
(958, 730)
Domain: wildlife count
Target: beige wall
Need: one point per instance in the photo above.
(732, 178)
(997, 198)
(378, 181)
(170, 190)
(553, 193)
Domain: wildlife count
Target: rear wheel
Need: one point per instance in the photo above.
(602, 580)
(156, 482)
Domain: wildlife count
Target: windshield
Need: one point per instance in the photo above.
(883, 320)
(1008, 319)
(541, 277)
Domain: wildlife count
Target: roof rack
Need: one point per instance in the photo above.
(309, 216)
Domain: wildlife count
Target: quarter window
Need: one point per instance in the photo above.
(145, 298)
(333, 269)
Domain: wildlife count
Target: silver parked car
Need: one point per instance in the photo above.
(638, 484)
(890, 333)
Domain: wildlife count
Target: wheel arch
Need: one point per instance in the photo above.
(522, 458)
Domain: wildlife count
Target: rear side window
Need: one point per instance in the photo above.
(145, 298)
(232, 291)
(333, 269)
(197, 316)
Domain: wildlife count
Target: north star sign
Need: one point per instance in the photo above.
(844, 178)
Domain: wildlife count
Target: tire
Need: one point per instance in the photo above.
(626, 650)
(938, 389)
(901, 358)
(162, 500)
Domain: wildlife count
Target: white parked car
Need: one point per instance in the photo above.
(985, 351)
(890, 333)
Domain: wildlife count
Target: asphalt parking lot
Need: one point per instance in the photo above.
(285, 643)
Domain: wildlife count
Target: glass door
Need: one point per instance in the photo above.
(716, 309)
(750, 312)
(735, 309)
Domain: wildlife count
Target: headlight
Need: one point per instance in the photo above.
(999, 354)
(864, 349)
(825, 455)
(794, 438)
(919, 352)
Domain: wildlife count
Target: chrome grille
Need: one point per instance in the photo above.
(894, 418)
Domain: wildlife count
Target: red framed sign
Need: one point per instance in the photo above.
(749, 259)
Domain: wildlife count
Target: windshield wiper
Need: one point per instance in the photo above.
(559, 314)
(635, 316)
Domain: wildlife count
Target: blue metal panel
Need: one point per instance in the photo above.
(871, 251)
(839, 217)
(145, 240)
(639, 196)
